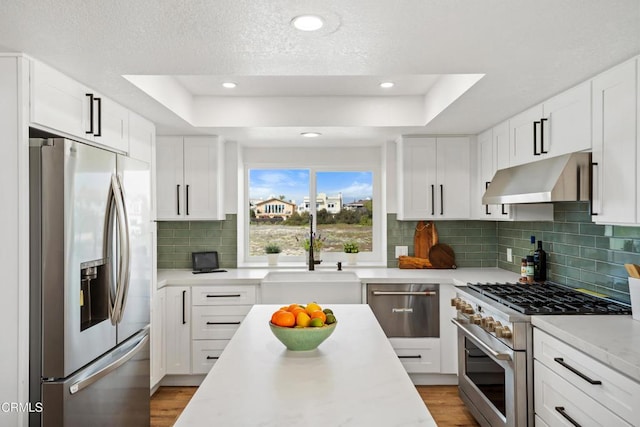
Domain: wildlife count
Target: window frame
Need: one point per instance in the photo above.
(369, 159)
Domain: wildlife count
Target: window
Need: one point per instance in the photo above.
(344, 200)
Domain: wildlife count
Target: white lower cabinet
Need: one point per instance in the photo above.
(178, 330)
(205, 353)
(571, 385)
(418, 355)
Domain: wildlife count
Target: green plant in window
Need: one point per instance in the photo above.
(351, 248)
(272, 248)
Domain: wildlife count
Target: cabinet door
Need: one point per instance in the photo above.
(417, 178)
(169, 178)
(58, 102)
(521, 128)
(568, 125)
(501, 148)
(141, 136)
(158, 355)
(486, 170)
(453, 181)
(203, 158)
(614, 145)
(178, 327)
(113, 127)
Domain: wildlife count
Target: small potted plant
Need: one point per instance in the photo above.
(272, 250)
(351, 249)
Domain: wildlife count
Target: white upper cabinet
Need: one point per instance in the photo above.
(558, 126)
(615, 161)
(433, 178)
(60, 104)
(189, 178)
(142, 135)
(486, 169)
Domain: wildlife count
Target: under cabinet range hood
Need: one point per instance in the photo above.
(563, 178)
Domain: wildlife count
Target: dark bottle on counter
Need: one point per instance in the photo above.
(539, 264)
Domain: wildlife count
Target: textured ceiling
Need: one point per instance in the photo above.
(528, 50)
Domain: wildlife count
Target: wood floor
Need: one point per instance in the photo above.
(443, 403)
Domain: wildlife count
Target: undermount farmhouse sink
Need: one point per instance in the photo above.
(323, 287)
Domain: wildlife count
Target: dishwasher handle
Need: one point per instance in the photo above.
(416, 293)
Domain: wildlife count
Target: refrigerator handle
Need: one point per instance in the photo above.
(82, 384)
(125, 252)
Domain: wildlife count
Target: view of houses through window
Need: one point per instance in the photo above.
(280, 205)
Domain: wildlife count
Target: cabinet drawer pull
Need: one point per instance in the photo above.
(560, 409)
(561, 361)
(417, 356)
(224, 296)
(542, 150)
(223, 323)
(535, 137)
(212, 357)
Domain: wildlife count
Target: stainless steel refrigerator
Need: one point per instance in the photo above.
(90, 285)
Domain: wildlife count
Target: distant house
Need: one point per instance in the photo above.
(273, 208)
(356, 205)
(333, 204)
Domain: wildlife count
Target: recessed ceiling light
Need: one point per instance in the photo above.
(386, 85)
(229, 85)
(307, 22)
(311, 134)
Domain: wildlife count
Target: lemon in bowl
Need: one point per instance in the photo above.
(302, 338)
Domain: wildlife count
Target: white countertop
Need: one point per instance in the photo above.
(245, 276)
(354, 378)
(613, 340)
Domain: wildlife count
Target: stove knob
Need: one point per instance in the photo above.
(486, 320)
(468, 309)
(505, 332)
(493, 326)
(454, 302)
(497, 328)
(476, 319)
(460, 304)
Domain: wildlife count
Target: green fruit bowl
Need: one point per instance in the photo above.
(302, 339)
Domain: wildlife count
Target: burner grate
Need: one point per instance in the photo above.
(548, 298)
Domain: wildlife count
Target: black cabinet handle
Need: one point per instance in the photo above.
(178, 197)
(184, 307)
(90, 131)
(593, 164)
(224, 296)
(542, 150)
(99, 101)
(410, 357)
(433, 199)
(535, 137)
(503, 211)
(486, 207)
(187, 194)
(223, 323)
(560, 409)
(212, 357)
(441, 199)
(561, 361)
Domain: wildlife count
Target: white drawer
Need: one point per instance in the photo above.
(205, 353)
(617, 392)
(223, 295)
(216, 323)
(418, 355)
(554, 396)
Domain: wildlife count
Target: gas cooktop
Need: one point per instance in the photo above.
(547, 298)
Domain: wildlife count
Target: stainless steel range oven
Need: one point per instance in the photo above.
(495, 340)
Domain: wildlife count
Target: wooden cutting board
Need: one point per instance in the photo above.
(442, 256)
(424, 238)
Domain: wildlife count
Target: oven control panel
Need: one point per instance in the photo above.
(492, 321)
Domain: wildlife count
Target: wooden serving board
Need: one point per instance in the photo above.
(442, 256)
(424, 238)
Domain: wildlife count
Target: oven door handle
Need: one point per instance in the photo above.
(485, 347)
(421, 293)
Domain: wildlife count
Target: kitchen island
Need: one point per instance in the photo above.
(354, 378)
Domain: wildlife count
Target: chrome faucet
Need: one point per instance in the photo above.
(311, 261)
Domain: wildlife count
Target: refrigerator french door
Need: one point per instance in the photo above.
(90, 280)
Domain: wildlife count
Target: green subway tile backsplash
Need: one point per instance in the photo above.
(474, 242)
(579, 253)
(178, 239)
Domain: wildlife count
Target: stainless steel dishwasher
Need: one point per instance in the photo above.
(406, 310)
